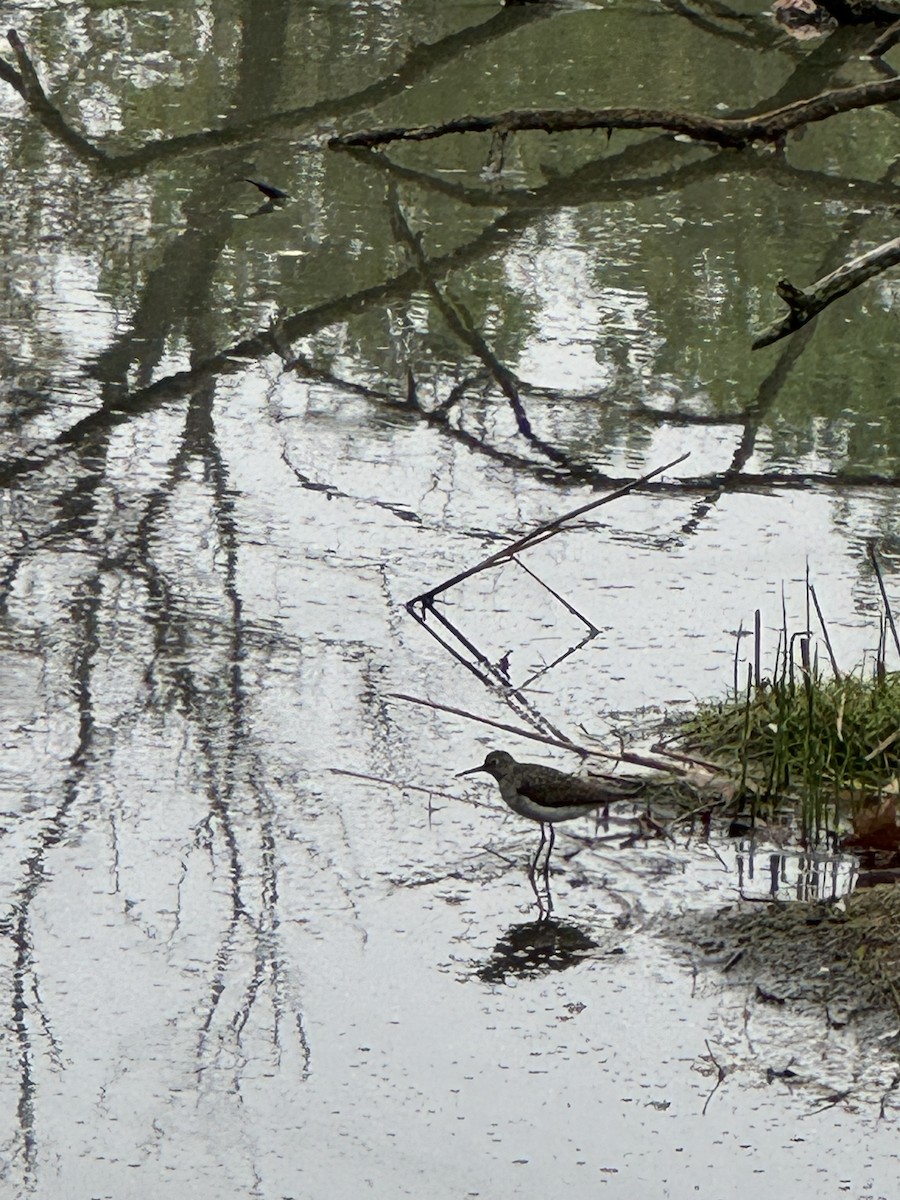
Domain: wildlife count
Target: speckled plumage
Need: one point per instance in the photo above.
(546, 795)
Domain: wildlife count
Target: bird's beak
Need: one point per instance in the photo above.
(471, 771)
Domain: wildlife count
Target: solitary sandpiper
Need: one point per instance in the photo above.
(546, 795)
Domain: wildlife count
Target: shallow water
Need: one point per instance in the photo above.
(258, 940)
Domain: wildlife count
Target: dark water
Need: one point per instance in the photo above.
(239, 436)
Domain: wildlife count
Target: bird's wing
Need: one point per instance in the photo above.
(619, 785)
(561, 791)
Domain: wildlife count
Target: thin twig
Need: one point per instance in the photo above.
(560, 743)
(832, 1102)
(638, 760)
(503, 858)
(528, 684)
(536, 534)
(394, 783)
(562, 600)
(827, 639)
(884, 596)
(690, 760)
(721, 1072)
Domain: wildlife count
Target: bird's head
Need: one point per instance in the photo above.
(497, 763)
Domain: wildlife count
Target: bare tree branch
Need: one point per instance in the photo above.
(734, 132)
(540, 534)
(804, 305)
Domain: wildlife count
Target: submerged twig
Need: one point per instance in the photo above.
(548, 740)
(832, 1102)
(721, 1073)
(403, 787)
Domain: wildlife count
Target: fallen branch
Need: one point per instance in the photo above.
(539, 534)
(804, 305)
(731, 132)
(639, 760)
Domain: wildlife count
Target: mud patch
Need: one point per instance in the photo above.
(810, 993)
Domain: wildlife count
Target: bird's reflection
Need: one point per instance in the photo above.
(536, 948)
(546, 796)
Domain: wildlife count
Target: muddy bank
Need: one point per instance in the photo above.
(810, 991)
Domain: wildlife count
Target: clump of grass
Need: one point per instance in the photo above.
(820, 745)
(829, 742)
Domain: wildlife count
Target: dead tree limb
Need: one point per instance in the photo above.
(730, 132)
(804, 305)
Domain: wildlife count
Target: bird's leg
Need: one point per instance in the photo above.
(550, 842)
(532, 868)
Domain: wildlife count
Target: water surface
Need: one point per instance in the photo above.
(238, 437)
